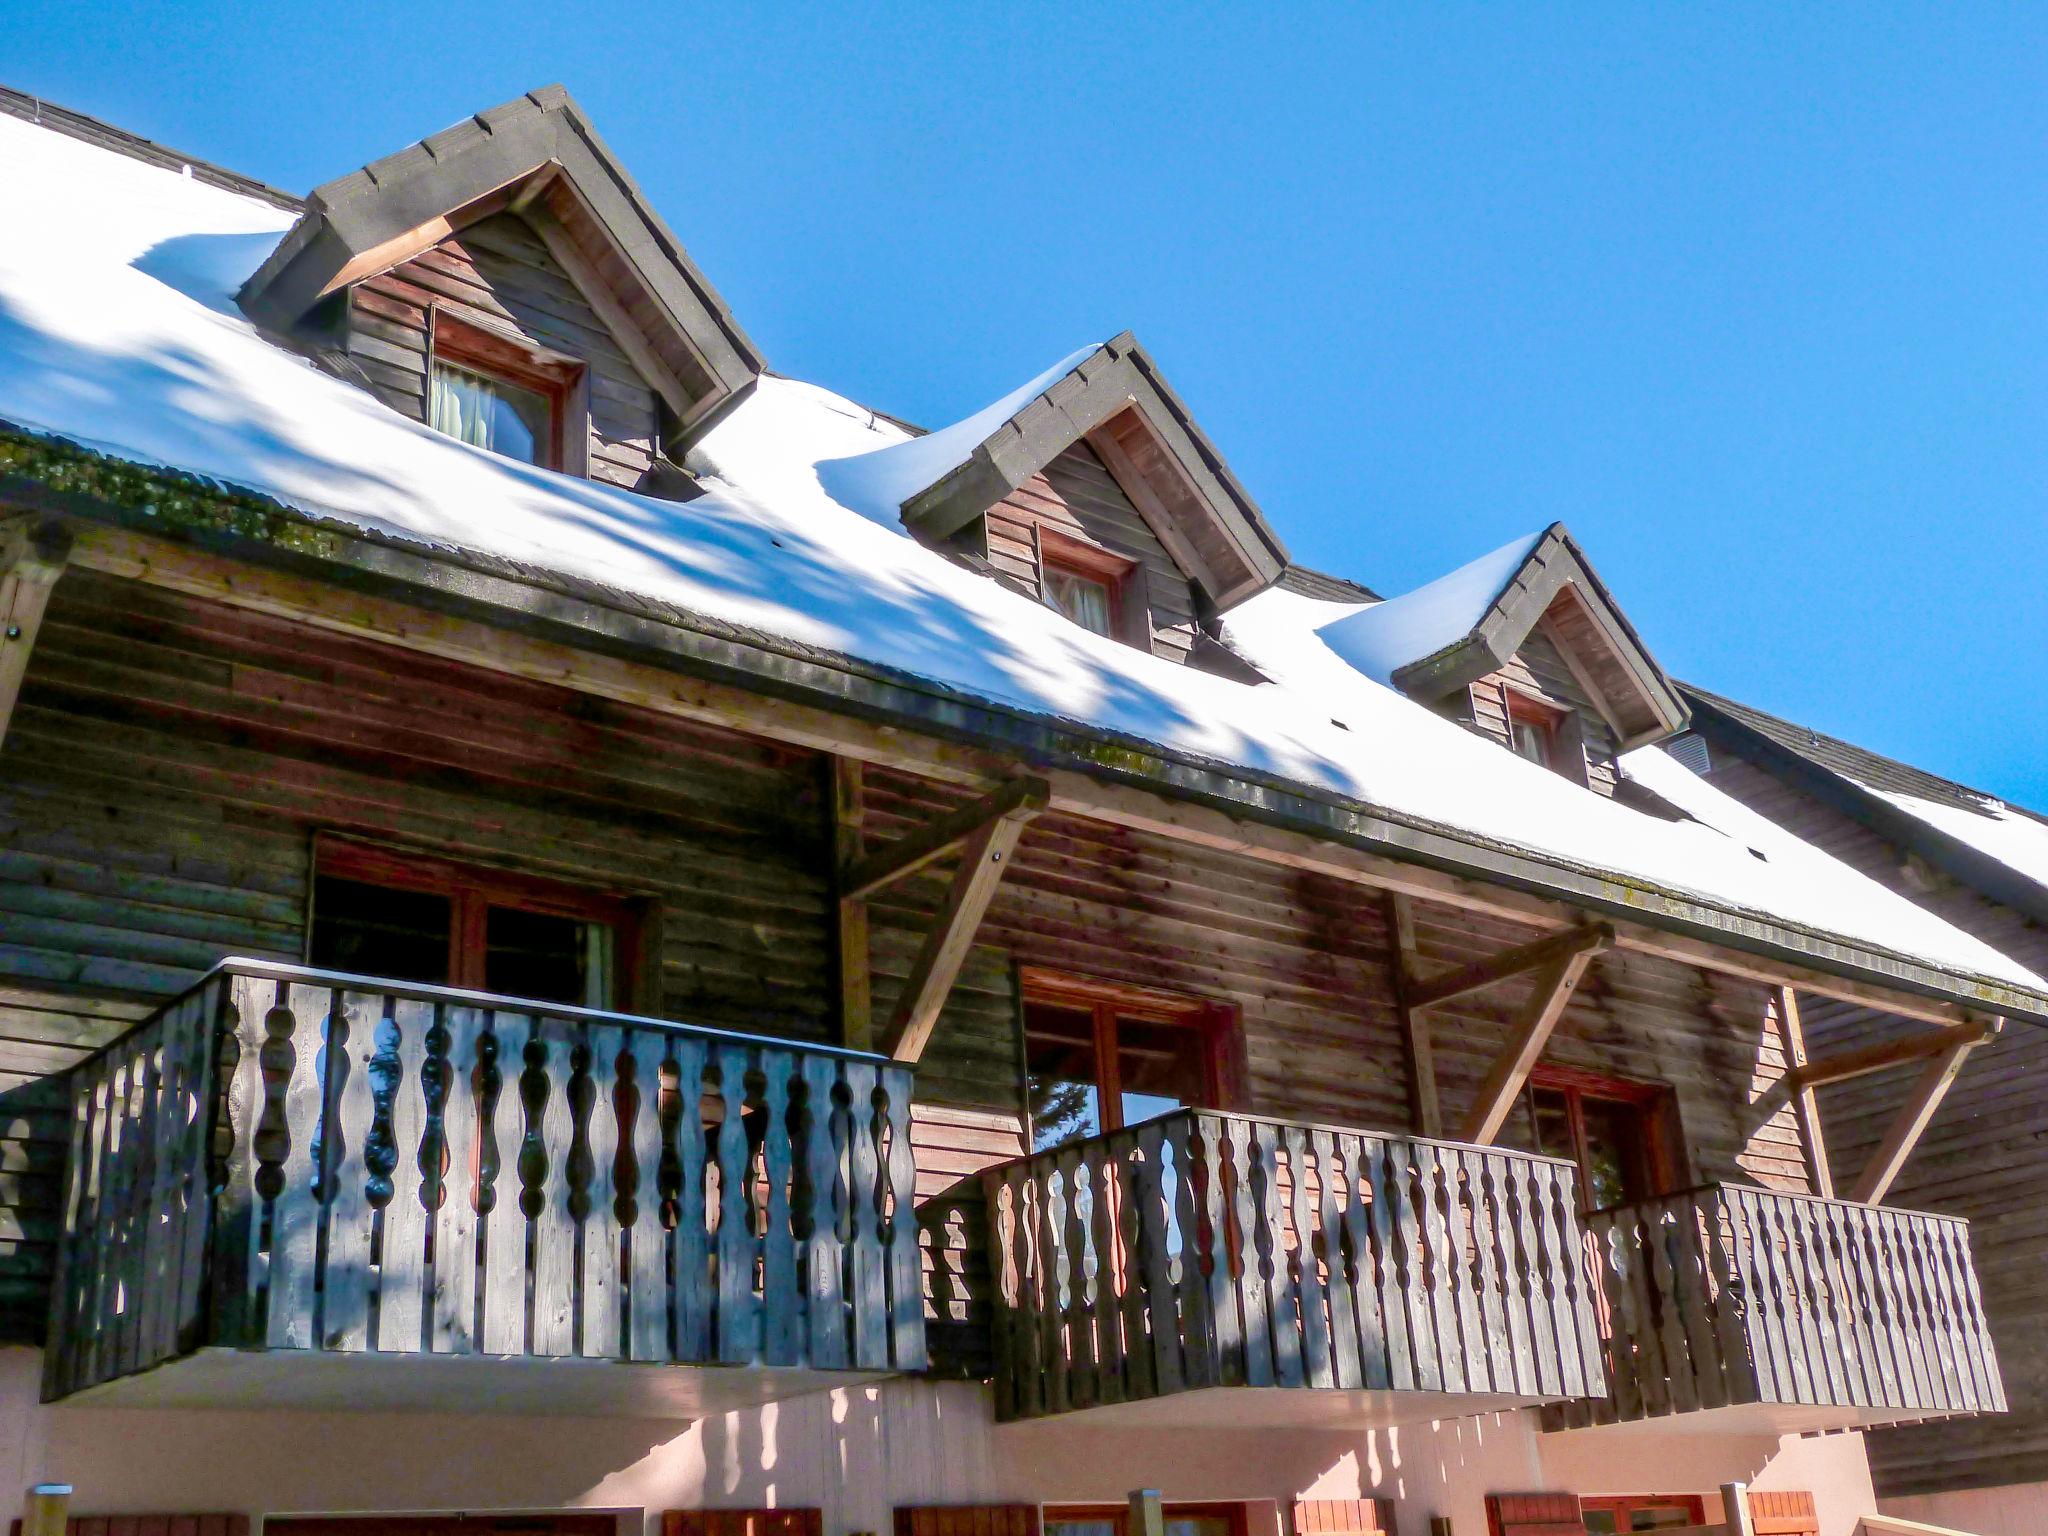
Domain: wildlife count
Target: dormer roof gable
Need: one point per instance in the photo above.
(1446, 635)
(538, 156)
(1114, 398)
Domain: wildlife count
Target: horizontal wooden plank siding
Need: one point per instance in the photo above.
(615, 1188)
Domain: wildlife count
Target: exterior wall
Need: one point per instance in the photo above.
(499, 273)
(2017, 1509)
(1539, 669)
(856, 1454)
(1078, 496)
(1984, 1156)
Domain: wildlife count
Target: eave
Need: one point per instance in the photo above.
(331, 571)
(1116, 400)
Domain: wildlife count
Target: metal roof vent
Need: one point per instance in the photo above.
(1689, 749)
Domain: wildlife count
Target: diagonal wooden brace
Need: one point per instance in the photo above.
(33, 552)
(1530, 1033)
(1841, 1066)
(983, 860)
(1904, 1133)
(1427, 991)
(913, 851)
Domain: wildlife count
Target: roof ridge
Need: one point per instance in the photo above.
(1788, 733)
(96, 131)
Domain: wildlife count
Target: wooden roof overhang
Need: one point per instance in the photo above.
(246, 550)
(1741, 732)
(1117, 401)
(537, 156)
(1556, 588)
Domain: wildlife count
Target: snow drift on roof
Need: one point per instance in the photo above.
(1382, 639)
(116, 331)
(2013, 838)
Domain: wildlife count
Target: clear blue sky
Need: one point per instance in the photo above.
(1754, 299)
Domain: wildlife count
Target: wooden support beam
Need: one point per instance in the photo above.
(913, 851)
(1866, 1059)
(33, 553)
(856, 1004)
(1427, 992)
(1805, 1103)
(1904, 1134)
(982, 863)
(1425, 1108)
(1531, 1032)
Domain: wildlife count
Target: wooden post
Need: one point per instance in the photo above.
(1805, 1102)
(1148, 1514)
(1904, 1133)
(1425, 1109)
(44, 1511)
(1735, 1510)
(33, 552)
(1530, 1033)
(849, 810)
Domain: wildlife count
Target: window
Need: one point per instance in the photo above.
(1618, 1132)
(401, 918)
(1098, 1057)
(1092, 586)
(499, 394)
(1115, 1519)
(1533, 729)
(1608, 1516)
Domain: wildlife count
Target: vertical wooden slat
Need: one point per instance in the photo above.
(648, 1330)
(1307, 1283)
(455, 1223)
(692, 1292)
(237, 1214)
(556, 1298)
(906, 1269)
(1335, 1190)
(598, 1253)
(296, 1211)
(738, 1314)
(824, 1253)
(781, 1317)
(402, 1273)
(1368, 1297)
(1105, 1194)
(351, 1218)
(505, 1224)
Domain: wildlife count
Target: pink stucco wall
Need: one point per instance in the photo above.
(2019, 1509)
(856, 1454)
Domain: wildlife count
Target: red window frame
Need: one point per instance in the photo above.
(1624, 1505)
(1118, 1516)
(1061, 551)
(462, 344)
(472, 890)
(1525, 709)
(1655, 1103)
(1215, 1026)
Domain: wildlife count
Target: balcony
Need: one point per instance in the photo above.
(295, 1188)
(1209, 1268)
(1782, 1313)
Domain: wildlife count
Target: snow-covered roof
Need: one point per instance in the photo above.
(2013, 838)
(118, 330)
(1381, 639)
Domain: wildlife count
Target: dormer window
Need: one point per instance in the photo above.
(1533, 730)
(500, 394)
(1090, 585)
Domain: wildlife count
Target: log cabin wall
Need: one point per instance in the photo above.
(1540, 670)
(498, 273)
(1077, 496)
(1984, 1156)
(172, 761)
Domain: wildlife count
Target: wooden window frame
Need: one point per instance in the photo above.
(1524, 708)
(473, 889)
(1620, 1504)
(1663, 1142)
(1130, 620)
(562, 380)
(1119, 1515)
(1218, 1027)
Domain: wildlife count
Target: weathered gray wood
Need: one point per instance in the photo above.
(33, 554)
(455, 1224)
(915, 850)
(1935, 1080)
(781, 1313)
(599, 1246)
(402, 1274)
(555, 1295)
(906, 1270)
(505, 1224)
(738, 1320)
(351, 1218)
(1555, 983)
(694, 1292)
(647, 1265)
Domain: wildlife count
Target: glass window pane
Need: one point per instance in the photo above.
(1616, 1154)
(490, 413)
(1062, 1073)
(1550, 1113)
(1196, 1525)
(1081, 599)
(540, 955)
(1065, 1526)
(374, 930)
(1661, 1517)
(1160, 1068)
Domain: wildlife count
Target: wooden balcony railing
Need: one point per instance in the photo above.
(290, 1160)
(1208, 1250)
(1827, 1313)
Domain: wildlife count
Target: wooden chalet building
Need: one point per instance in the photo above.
(590, 932)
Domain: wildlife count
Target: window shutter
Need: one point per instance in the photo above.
(967, 1520)
(742, 1522)
(1783, 1514)
(1373, 1516)
(1534, 1514)
(151, 1525)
